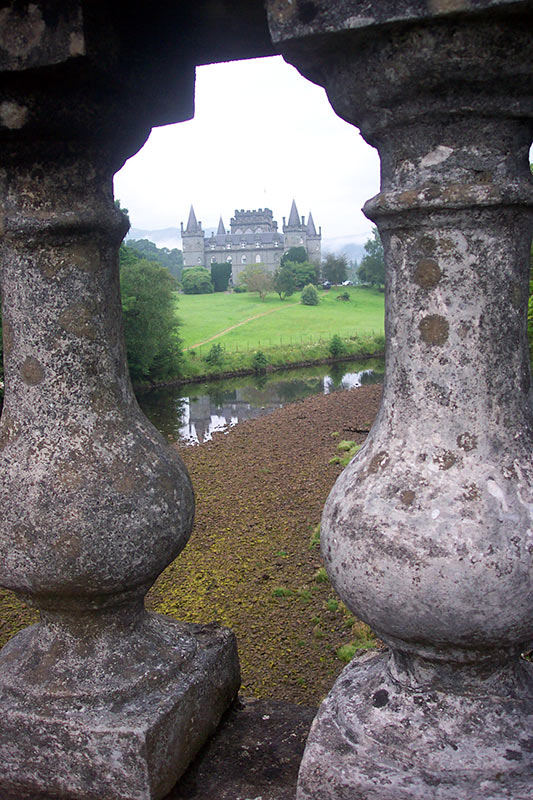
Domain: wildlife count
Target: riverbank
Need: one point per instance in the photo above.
(196, 369)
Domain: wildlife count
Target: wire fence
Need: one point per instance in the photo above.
(268, 342)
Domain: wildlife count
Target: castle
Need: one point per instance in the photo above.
(253, 238)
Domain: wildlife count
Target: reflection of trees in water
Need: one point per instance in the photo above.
(243, 398)
(260, 381)
(220, 396)
(165, 410)
(336, 373)
(297, 389)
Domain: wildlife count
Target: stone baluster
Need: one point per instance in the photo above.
(428, 534)
(100, 700)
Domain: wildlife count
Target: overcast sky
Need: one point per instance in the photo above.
(261, 135)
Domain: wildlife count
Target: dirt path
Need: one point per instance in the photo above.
(232, 327)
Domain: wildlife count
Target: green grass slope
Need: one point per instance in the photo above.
(274, 322)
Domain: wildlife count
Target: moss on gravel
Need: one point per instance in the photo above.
(260, 490)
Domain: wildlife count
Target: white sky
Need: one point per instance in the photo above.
(261, 135)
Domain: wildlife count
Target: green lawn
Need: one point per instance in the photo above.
(204, 316)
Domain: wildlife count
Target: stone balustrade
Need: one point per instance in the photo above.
(427, 534)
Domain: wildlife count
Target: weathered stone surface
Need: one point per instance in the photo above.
(94, 505)
(388, 733)
(100, 700)
(255, 752)
(120, 728)
(427, 534)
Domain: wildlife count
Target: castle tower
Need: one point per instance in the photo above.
(295, 232)
(314, 240)
(193, 242)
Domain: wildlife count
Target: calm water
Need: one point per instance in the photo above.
(192, 413)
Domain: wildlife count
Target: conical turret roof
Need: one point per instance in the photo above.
(311, 230)
(221, 229)
(192, 224)
(294, 219)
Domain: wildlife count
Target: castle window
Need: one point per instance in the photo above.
(258, 259)
(212, 247)
(301, 240)
(213, 259)
(243, 244)
(228, 259)
(243, 259)
(258, 244)
(276, 244)
(228, 246)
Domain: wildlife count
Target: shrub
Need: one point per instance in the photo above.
(220, 275)
(215, 355)
(196, 280)
(344, 296)
(336, 346)
(309, 295)
(259, 362)
(239, 289)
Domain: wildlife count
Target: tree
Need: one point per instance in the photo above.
(309, 296)
(335, 268)
(196, 280)
(150, 323)
(284, 280)
(256, 278)
(372, 266)
(294, 254)
(304, 272)
(220, 275)
(171, 259)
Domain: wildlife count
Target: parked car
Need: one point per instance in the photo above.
(326, 285)
(347, 283)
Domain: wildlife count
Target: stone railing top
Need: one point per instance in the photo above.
(294, 20)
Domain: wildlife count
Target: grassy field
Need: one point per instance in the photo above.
(273, 322)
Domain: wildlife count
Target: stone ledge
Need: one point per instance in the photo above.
(255, 754)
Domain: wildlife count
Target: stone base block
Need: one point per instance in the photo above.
(120, 746)
(376, 739)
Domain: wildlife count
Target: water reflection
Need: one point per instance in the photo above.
(193, 413)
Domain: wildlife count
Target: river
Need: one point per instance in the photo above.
(192, 413)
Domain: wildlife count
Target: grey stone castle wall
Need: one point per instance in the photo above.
(253, 238)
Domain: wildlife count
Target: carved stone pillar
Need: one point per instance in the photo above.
(428, 534)
(99, 700)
